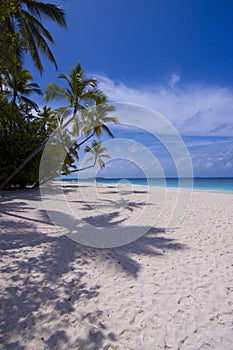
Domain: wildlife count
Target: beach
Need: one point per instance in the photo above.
(172, 288)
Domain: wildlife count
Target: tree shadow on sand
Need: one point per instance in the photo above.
(41, 287)
(153, 243)
(45, 274)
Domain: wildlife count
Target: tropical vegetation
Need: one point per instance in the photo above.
(22, 30)
(82, 112)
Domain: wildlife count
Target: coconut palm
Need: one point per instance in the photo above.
(83, 95)
(18, 87)
(88, 109)
(48, 119)
(79, 91)
(93, 121)
(97, 154)
(26, 19)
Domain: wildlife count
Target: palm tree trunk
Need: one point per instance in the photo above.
(81, 143)
(22, 165)
(32, 155)
(35, 152)
(87, 167)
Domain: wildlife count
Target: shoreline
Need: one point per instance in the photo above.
(228, 192)
(161, 187)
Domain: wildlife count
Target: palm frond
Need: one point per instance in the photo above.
(105, 156)
(29, 102)
(37, 25)
(107, 130)
(33, 88)
(41, 43)
(101, 164)
(54, 92)
(50, 11)
(88, 149)
(63, 76)
(88, 160)
(111, 120)
(32, 47)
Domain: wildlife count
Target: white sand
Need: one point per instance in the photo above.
(168, 290)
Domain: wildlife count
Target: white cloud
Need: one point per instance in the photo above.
(193, 110)
(229, 165)
(215, 159)
(174, 80)
(204, 111)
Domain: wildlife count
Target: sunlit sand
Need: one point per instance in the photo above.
(170, 289)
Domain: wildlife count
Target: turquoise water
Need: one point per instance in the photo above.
(213, 184)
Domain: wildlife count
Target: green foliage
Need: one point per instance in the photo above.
(20, 133)
(22, 31)
(97, 152)
(87, 104)
(10, 41)
(25, 130)
(18, 86)
(78, 91)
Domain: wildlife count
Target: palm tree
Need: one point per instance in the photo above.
(78, 93)
(48, 119)
(97, 153)
(83, 95)
(26, 20)
(19, 87)
(93, 121)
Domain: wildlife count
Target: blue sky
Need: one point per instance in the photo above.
(175, 57)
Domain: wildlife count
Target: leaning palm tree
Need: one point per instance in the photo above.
(18, 87)
(26, 19)
(82, 95)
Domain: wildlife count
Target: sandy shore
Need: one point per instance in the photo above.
(170, 289)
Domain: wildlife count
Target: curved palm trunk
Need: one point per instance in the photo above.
(36, 151)
(31, 155)
(85, 168)
(22, 165)
(81, 143)
(37, 184)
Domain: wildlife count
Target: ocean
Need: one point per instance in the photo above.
(198, 183)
